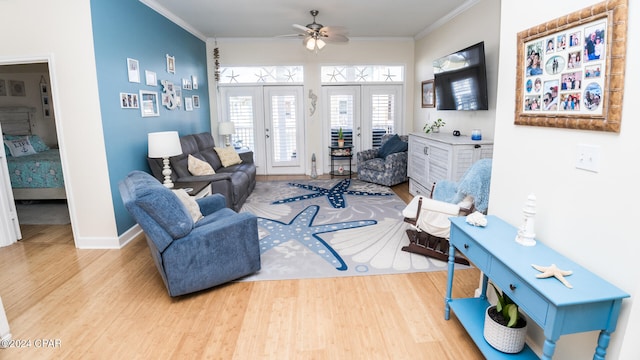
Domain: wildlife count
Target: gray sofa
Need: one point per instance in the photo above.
(234, 182)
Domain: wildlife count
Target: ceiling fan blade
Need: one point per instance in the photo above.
(290, 35)
(334, 30)
(302, 28)
(335, 38)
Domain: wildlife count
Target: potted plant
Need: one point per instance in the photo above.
(340, 138)
(435, 127)
(504, 327)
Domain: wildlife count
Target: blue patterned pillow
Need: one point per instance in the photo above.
(37, 143)
(391, 146)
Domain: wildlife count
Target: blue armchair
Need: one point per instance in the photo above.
(191, 256)
(380, 167)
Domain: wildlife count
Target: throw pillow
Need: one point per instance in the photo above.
(228, 156)
(20, 147)
(190, 203)
(199, 167)
(391, 146)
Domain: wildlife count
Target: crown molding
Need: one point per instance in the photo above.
(173, 18)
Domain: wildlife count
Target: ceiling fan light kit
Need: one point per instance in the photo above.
(316, 36)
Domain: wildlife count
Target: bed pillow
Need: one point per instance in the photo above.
(20, 147)
(228, 156)
(37, 143)
(199, 167)
(35, 140)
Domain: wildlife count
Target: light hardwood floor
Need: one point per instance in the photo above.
(112, 304)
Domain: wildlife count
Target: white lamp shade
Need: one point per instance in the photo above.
(164, 144)
(226, 128)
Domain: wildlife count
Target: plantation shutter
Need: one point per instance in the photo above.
(241, 113)
(284, 127)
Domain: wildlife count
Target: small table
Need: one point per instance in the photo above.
(592, 304)
(197, 189)
(338, 153)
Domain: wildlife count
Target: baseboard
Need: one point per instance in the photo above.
(129, 235)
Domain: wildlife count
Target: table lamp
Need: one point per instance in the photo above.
(227, 129)
(164, 145)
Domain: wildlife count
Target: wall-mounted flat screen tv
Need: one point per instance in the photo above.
(461, 80)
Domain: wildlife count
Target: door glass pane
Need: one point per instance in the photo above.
(283, 127)
(382, 116)
(341, 116)
(241, 114)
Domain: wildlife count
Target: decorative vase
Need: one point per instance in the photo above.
(340, 142)
(509, 340)
(435, 130)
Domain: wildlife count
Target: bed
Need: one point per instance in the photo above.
(35, 169)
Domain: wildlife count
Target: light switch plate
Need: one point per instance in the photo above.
(588, 157)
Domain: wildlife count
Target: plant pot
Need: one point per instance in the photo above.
(340, 143)
(435, 130)
(509, 340)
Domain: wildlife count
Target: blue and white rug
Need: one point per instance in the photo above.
(331, 228)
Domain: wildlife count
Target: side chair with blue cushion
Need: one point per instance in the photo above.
(386, 165)
(192, 256)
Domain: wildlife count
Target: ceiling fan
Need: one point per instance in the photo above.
(316, 36)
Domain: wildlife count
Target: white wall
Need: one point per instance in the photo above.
(479, 23)
(251, 52)
(589, 217)
(45, 30)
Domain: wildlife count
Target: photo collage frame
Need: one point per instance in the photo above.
(570, 70)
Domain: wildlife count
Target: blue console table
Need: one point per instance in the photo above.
(592, 304)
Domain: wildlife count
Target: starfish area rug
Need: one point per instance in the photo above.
(331, 228)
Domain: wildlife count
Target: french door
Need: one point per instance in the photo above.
(269, 120)
(364, 112)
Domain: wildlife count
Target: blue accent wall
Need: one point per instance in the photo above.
(129, 29)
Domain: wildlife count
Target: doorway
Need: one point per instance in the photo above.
(268, 120)
(21, 207)
(364, 113)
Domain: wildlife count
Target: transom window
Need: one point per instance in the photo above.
(261, 74)
(362, 74)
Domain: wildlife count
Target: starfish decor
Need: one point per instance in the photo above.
(301, 230)
(335, 195)
(553, 271)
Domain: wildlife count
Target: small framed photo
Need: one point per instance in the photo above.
(186, 84)
(194, 80)
(196, 101)
(149, 103)
(171, 64)
(17, 88)
(428, 94)
(129, 101)
(133, 70)
(188, 104)
(150, 78)
(3, 87)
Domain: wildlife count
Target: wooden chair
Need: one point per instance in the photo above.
(423, 243)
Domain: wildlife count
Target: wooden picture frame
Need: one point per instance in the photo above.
(428, 94)
(575, 65)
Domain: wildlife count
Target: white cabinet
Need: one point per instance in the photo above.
(435, 157)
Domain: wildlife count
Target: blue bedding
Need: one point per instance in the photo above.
(40, 170)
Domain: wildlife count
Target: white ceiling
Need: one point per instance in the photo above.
(270, 18)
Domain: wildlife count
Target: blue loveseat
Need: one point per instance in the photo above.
(192, 256)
